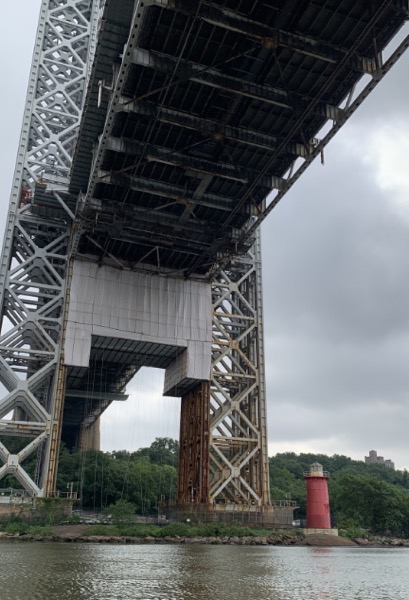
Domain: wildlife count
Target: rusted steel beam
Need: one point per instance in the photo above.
(193, 475)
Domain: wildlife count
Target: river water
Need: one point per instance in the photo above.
(53, 571)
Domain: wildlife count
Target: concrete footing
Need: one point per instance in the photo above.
(309, 531)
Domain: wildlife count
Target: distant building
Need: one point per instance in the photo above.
(373, 459)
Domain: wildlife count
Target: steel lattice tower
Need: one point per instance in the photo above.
(238, 395)
(33, 268)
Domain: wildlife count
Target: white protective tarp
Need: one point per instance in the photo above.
(110, 302)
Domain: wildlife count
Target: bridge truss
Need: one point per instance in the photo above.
(208, 108)
(33, 271)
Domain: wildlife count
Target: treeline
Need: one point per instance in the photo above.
(372, 497)
(147, 478)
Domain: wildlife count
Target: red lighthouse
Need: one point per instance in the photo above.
(318, 515)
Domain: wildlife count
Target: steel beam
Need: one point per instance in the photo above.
(21, 428)
(269, 37)
(165, 190)
(108, 210)
(216, 129)
(103, 396)
(298, 123)
(214, 78)
(193, 469)
(190, 162)
(355, 101)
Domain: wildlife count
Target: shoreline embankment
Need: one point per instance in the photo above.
(281, 539)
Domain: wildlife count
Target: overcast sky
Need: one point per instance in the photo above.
(336, 281)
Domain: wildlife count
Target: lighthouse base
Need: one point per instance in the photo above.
(309, 530)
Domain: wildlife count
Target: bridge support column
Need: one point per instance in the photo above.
(193, 476)
(52, 446)
(89, 438)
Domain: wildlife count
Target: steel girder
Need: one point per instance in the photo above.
(215, 79)
(170, 116)
(223, 460)
(353, 101)
(193, 471)
(273, 37)
(33, 270)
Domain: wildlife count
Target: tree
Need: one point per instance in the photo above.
(371, 503)
(121, 513)
(163, 451)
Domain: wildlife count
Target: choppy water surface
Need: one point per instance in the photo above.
(49, 571)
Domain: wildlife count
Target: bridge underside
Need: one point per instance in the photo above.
(197, 111)
(91, 390)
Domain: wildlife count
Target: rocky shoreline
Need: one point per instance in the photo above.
(319, 540)
(381, 542)
(111, 539)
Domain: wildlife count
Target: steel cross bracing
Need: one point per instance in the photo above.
(238, 429)
(33, 267)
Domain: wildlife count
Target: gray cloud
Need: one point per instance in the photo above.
(336, 291)
(336, 255)
(387, 98)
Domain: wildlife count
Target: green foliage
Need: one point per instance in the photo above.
(48, 511)
(362, 497)
(73, 520)
(145, 478)
(16, 527)
(215, 529)
(186, 530)
(121, 513)
(40, 530)
(349, 528)
(163, 451)
(286, 481)
(142, 530)
(371, 502)
(110, 530)
(21, 528)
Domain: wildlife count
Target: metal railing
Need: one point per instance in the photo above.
(316, 474)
